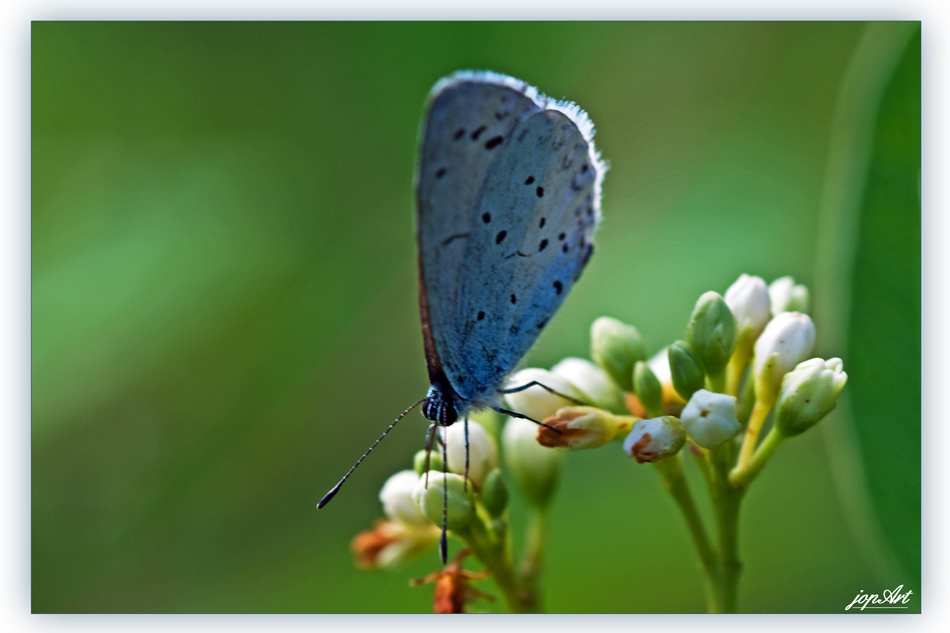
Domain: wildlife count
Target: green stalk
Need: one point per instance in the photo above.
(742, 477)
(716, 383)
(674, 481)
(726, 502)
(535, 542)
(494, 557)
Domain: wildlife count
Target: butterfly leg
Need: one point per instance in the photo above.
(430, 434)
(465, 482)
(535, 383)
(444, 541)
(522, 416)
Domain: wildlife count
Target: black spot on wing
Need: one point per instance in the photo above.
(459, 134)
(493, 142)
(529, 180)
(565, 247)
(561, 236)
(514, 299)
(590, 251)
(543, 245)
(477, 133)
(541, 323)
(440, 173)
(486, 218)
(540, 192)
(481, 315)
(500, 237)
(543, 221)
(558, 287)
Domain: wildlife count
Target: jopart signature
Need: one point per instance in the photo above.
(888, 599)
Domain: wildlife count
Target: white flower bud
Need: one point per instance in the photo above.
(710, 418)
(808, 393)
(787, 296)
(534, 468)
(482, 452)
(654, 439)
(787, 340)
(660, 366)
(461, 502)
(748, 298)
(396, 496)
(593, 381)
(537, 402)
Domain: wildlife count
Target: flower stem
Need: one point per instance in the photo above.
(726, 502)
(674, 481)
(738, 362)
(530, 567)
(742, 477)
(759, 412)
(717, 382)
(496, 560)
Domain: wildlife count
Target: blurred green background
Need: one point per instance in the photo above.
(225, 317)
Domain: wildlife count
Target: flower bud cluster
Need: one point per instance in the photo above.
(414, 500)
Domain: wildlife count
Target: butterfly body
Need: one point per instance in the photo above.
(508, 197)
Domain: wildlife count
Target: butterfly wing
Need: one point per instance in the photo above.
(502, 241)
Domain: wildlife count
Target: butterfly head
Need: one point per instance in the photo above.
(439, 406)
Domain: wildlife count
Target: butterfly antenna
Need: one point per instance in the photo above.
(327, 497)
(443, 541)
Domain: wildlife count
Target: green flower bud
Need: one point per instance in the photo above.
(482, 452)
(596, 384)
(654, 439)
(787, 296)
(687, 375)
(419, 461)
(808, 393)
(710, 418)
(537, 402)
(648, 389)
(712, 333)
(494, 493)
(534, 468)
(461, 502)
(616, 347)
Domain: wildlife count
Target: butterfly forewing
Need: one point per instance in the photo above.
(507, 207)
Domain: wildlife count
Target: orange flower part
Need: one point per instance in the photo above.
(451, 586)
(390, 543)
(567, 436)
(579, 428)
(368, 544)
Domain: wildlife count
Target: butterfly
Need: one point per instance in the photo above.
(508, 189)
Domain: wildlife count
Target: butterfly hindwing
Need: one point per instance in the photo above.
(501, 244)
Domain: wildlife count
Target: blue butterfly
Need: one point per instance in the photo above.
(508, 198)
